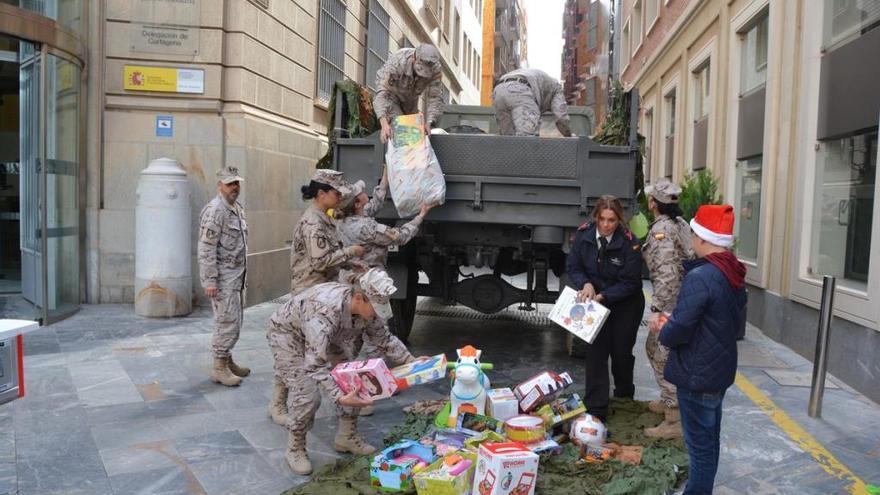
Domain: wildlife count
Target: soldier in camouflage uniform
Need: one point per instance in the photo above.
(358, 227)
(666, 247)
(316, 255)
(305, 333)
(407, 74)
(521, 96)
(222, 254)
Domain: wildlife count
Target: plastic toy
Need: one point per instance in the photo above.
(561, 410)
(372, 376)
(393, 468)
(451, 475)
(475, 424)
(587, 430)
(525, 429)
(420, 372)
(469, 385)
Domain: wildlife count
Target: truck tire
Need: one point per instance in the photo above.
(575, 346)
(404, 313)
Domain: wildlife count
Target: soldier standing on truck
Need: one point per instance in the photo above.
(407, 74)
(521, 96)
(222, 251)
(316, 254)
(667, 246)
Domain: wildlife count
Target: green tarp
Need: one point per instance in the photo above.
(663, 467)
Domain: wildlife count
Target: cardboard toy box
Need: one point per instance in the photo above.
(540, 389)
(392, 469)
(474, 424)
(584, 319)
(450, 475)
(445, 441)
(420, 372)
(505, 469)
(561, 410)
(501, 404)
(372, 376)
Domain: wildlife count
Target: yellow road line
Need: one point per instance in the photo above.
(804, 440)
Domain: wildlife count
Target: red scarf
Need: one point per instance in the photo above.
(730, 266)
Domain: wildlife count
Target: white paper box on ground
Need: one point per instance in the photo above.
(505, 468)
(502, 404)
(584, 320)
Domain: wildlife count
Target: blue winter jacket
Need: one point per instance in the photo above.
(701, 333)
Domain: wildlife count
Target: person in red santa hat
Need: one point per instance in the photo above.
(701, 336)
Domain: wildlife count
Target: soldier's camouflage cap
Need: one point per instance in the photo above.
(332, 178)
(354, 191)
(378, 287)
(427, 61)
(228, 175)
(664, 191)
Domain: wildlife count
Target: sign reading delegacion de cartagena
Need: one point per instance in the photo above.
(164, 79)
(165, 26)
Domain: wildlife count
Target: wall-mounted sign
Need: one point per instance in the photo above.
(163, 79)
(164, 125)
(165, 26)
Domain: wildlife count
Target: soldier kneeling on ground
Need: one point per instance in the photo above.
(302, 334)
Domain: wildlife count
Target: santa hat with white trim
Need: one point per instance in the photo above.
(714, 224)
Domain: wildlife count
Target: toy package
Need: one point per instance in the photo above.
(445, 441)
(501, 404)
(540, 389)
(561, 410)
(393, 468)
(505, 469)
(584, 320)
(451, 475)
(474, 424)
(525, 429)
(419, 372)
(372, 376)
(414, 175)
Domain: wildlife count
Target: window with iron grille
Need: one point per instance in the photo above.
(377, 42)
(590, 91)
(331, 47)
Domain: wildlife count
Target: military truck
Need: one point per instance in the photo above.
(512, 205)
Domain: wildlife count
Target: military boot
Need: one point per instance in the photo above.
(278, 404)
(296, 455)
(669, 429)
(241, 371)
(222, 374)
(348, 439)
(657, 406)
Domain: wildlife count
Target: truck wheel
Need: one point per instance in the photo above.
(404, 313)
(576, 347)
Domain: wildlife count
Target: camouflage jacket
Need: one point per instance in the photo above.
(547, 90)
(321, 323)
(376, 237)
(380, 192)
(222, 248)
(398, 85)
(668, 245)
(316, 254)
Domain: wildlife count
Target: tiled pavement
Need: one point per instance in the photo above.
(119, 404)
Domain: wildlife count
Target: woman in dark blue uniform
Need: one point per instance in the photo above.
(605, 265)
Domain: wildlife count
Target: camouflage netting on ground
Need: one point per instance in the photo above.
(664, 462)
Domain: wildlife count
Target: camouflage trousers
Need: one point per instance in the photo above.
(516, 110)
(304, 396)
(657, 356)
(228, 315)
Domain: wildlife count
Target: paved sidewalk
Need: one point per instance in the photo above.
(119, 404)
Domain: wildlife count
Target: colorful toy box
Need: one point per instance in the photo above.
(505, 469)
(446, 441)
(561, 410)
(501, 404)
(372, 376)
(450, 475)
(540, 389)
(392, 469)
(419, 372)
(474, 424)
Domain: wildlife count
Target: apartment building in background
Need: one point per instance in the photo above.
(586, 26)
(505, 42)
(778, 98)
(99, 89)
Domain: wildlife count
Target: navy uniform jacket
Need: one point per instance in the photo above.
(618, 276)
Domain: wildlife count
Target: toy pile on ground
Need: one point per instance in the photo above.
(535, 437)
